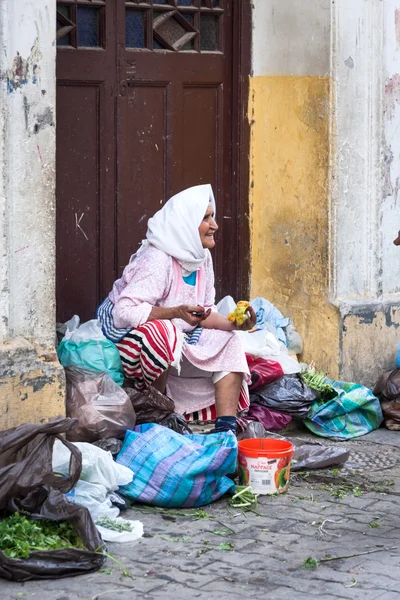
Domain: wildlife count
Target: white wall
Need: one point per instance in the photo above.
(391, 199)
(27, 168)
(291, 37)
(358, 165)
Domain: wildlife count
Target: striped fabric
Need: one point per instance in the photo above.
(193, 337)
(148, 351)
(174, 470)
(210, 413)
(105, 315)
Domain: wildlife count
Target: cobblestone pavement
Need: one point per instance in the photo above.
(348, 521)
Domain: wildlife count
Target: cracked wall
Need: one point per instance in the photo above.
(31, 379)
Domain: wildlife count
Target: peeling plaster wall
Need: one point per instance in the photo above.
(391, 105)
(289, 113)
(31, 177)
(359, 157)
(366, 215)
(31, 378)
(369, 337)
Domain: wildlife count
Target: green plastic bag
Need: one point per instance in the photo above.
(353, 412)
(86, 347)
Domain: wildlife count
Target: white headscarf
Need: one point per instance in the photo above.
(175, 228)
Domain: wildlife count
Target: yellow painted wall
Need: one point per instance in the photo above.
(289, 199)
(32, 384)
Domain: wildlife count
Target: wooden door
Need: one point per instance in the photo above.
(155, 107)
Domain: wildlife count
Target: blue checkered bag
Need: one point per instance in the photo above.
(353, 412)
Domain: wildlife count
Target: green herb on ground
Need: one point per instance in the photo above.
(244, 498)
(310, 563)
(226, 546)
(374, 523)
(20, 535)
(113, 524)
(185, 538)
(352, 584)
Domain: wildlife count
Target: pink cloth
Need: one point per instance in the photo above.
(153, 278)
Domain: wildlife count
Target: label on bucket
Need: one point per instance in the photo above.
(265, 475)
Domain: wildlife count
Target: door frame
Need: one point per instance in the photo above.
(242, 34)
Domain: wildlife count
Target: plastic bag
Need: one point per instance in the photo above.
(266, 312)
(102, 408)
(308, 454)
(289, 394)
(27, 483)
(86, 347)
(388, 386)
(294, 340)
(270, 419)
(387, 390)
(262, 372)
(112, 445)
(355, 411)
(93, 496)
(151, 406)
(259, 343)
(178, 470)
(122, 537)
(226, 306)
(98, 465)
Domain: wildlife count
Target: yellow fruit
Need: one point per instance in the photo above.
(239, 314)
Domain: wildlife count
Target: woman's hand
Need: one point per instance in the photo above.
(193, 315)
(250, 322)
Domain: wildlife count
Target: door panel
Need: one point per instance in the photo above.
(77, 213)
(201, 126)
(142, 163)
(146, 97)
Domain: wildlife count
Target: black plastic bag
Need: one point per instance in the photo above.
(27, 483)
(177, 423)
(387, 390)
(288, 394)
(151, 406)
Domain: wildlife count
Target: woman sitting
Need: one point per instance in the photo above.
(163, 307)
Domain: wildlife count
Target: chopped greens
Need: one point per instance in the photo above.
(20, 535)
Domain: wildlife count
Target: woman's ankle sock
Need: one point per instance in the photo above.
(225, 424)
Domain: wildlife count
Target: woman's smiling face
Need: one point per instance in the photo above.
(207, 229)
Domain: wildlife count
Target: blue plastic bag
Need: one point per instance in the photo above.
(266, 312)
(86, 347)
(353, 412)
(174, 470)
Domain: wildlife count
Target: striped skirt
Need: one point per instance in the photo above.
(149, 350)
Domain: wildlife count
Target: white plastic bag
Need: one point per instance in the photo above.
(226, 305)
(91, 330)
(289, 365)
(93, 496)
(109, 535)
(98, 465)
(259, 342)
